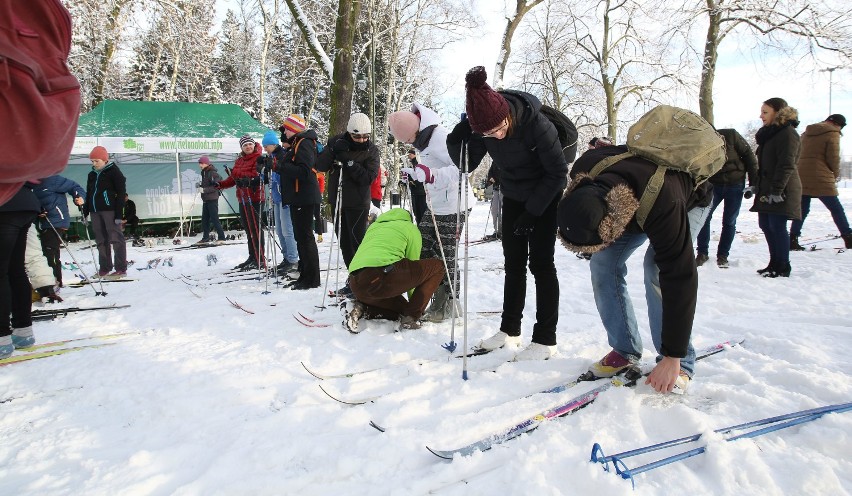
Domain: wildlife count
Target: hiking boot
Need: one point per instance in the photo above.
(700, 258)
(611, 365)
(440, 308)
(22, 337)
(794, 244)
(251, 265)
(779, 272)
(248, 261)
(681, 383)
(722, 262)
(352, 312)
(407, 323)
(535, 351)
(847, 240)
(498, 340)
(6, 347)
(767, 268)
(102, 273)
(344, 292)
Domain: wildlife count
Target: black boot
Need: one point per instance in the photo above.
(794, 244)
(767, 269)
(779, 271)
(847, 240)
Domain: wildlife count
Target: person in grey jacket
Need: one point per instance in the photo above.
(728, 187)
(778, 197)
(210, 200)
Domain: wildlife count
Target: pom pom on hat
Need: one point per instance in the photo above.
(246, 139)
(99, 153)
(204, 160)
(404, 126)
(269, 138)
(485, 108)
(359, 124)
(294, 123)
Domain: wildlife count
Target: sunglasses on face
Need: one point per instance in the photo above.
(360, 136)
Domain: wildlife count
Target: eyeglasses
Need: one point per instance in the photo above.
(360, 136)
(497, 130)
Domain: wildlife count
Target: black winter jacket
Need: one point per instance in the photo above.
(667, 228)
(359, 167)
(105, 190)
(299, 184)
(532, 167)
(23, 201)
(740, 161)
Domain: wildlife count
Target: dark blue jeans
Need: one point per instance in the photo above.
(774, 227)
(832, 203)
(732, 195)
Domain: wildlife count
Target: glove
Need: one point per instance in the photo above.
(525, 224)
(340, 146)
(774, 199)
(242, 182)
(117, 222)
(216, 185)
(420, 173)
(462, 132)
(49, 292)
(749, 192)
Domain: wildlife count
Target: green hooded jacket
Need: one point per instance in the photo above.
(389, 239)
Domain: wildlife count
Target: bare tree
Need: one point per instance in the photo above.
(825, 27)
(512, 23)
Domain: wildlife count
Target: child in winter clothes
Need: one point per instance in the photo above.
(105, 193)
(55, 219)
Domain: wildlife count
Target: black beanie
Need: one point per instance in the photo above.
(580, 213)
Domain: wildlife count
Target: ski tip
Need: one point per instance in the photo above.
(310, 371)
(446, 455)
(377, 426)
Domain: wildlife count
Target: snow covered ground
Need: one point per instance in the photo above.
(202, 398)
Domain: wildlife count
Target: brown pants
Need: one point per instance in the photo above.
(381, 288)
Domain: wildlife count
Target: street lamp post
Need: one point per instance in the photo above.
(830, 72)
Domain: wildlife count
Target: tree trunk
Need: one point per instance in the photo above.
(708, 64)
(521, 8)
(112, 26)
(342, 83)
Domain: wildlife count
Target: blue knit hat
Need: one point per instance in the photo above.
(270, 138)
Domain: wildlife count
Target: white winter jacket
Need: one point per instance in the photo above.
(35, 264)
(443, 194)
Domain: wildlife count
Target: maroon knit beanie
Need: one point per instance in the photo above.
(486, 108)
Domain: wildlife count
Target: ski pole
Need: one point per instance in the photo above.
(336, 219)
(463, 177)
(91, 251)
(65, 245)
(772, 424)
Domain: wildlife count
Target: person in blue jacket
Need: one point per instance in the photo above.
(55, 218)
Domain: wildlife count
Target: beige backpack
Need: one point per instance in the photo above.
(674, 139)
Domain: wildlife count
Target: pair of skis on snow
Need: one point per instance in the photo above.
(53, 313)
(56, 348)
(562, 408)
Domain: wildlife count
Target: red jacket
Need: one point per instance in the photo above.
(245, 170)
(376, 188)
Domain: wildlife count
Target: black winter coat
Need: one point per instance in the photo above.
(357, 177)
(105, 190)
(299, 184)
(23, 201)
(739, 163)
(530, 159)
(778, 154)
(667, 228)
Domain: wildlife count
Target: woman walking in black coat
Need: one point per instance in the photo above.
(779, 190)
(524, 146)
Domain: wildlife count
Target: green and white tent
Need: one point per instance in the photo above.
(157, 146)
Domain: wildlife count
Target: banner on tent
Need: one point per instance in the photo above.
(84, 144)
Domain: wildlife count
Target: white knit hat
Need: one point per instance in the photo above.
(359, 124)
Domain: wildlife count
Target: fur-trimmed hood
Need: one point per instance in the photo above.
(621, 206)
(785, 115)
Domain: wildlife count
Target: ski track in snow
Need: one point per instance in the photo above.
(210, 400)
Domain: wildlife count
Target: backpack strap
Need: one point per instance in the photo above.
(652, 190)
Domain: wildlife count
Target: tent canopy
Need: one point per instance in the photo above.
(164, 127)
(172, 119)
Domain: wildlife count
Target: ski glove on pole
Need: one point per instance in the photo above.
(462, 132)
